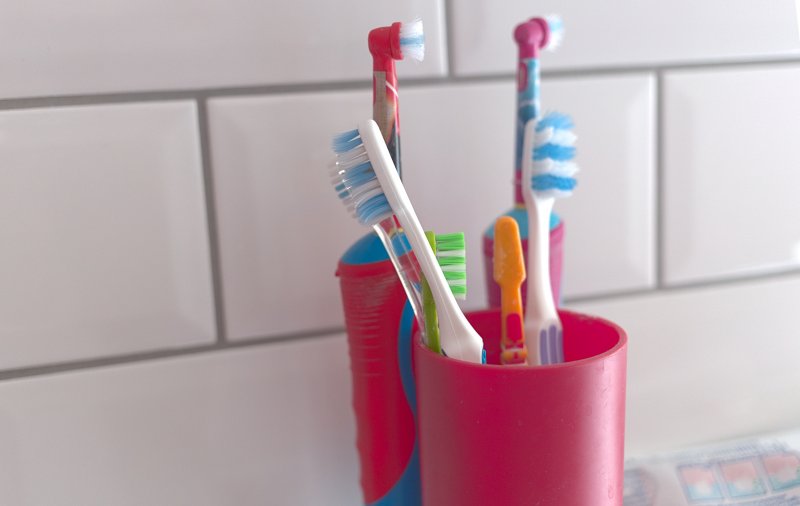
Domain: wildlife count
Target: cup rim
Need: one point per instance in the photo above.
(614, 350)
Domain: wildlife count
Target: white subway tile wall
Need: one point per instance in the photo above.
(170, 323)
(282, 228)
(252, 426)
(710, 363)
(731, 164)
(626, 33)
(105, 245)
(52, 48)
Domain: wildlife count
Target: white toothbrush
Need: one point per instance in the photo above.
(551, 142)
(373, 190)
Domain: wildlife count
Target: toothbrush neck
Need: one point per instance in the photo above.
(518, 198)
(530, 37)
(528, 108)
(385, 109)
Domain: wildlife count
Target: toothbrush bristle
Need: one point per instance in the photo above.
(553, 154)
(412, 40)
(355, 181)
(451, 254)
(556, 26)
(555, 120)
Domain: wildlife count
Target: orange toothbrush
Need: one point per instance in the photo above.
(509, 273)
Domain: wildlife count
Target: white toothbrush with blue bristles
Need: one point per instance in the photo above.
(366, 180)
(548, 173)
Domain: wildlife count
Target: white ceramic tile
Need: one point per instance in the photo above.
(626, 32)
(730, 174)
(282, 229)
(709, 364)
(103, 232)
(458, 146)
(253, 426)
(89, 46)
(276, 207)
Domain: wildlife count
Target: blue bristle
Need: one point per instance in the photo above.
(346, 141)
(555, 152)
(544, 182)
(416, 40)
(354, 180)
(374, 209)
(553, 158)
(555, 120)
(556, 26)
(359, 175)
(555, 23)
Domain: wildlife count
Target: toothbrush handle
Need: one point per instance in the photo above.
(385, 109)
(401, 205)
(429, 305)
(529, 37)
(405, 264)
(540, 302)
(512, 340)
(528, 109)
(457, 336)
(511, 304)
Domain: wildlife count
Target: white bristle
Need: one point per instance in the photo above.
(412, 40)
(454, 268)
(555, 136)
(555, 168)
(453, 253)
(556, 26)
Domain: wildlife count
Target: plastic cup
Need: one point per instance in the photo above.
(517, 435)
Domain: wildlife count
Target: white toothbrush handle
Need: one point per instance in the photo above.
(540, 308)
(458, 338)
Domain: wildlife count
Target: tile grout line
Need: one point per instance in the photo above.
(685, 286)
(94, 363)
(350, 85)
(211, 220)
(659, 191)
(447, 5)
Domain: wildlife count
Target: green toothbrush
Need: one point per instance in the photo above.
(450, 252)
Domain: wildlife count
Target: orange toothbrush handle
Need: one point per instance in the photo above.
(513, 336)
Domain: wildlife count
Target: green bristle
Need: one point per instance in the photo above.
(451, 242)
(451, 253)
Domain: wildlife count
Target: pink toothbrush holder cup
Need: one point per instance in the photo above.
(516, 435)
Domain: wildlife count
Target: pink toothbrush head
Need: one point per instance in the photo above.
(398, 41)
(537, 34)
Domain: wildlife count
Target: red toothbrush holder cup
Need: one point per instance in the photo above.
(516, 435)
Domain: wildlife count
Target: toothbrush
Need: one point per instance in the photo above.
(547, 173)
(370, 186)
(387, 44)
(509, 273)
(531, 37)
(450, 252)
